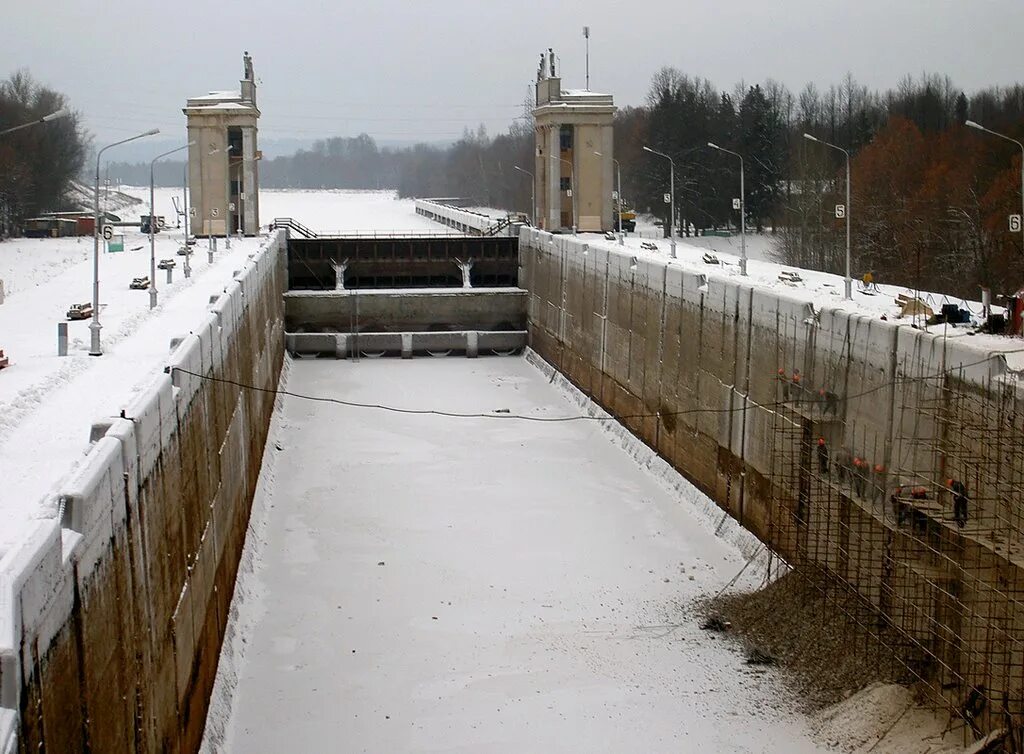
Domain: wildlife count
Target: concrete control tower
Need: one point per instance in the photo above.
(572, 125)
(223, 168)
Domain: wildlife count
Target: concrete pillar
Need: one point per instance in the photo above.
(62, 338)
(250, 167)
(554, 168)
(407, 345)
(472, 344)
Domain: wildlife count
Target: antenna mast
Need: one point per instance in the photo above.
(586, 36)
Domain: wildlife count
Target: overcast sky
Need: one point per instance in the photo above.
(404, 70)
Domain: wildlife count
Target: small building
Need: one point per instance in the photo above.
(84, 220)
(223, 168)
(49, 227)
(575, 146)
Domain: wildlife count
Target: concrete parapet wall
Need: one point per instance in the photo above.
(112, 615)
(734, 384)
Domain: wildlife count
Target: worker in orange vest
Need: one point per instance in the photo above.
(822, 456)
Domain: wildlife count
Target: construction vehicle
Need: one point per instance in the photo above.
(80, 311)
(627, 217)
(166, 264)
(140, 284)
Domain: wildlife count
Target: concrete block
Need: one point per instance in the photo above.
(168, 409)
(31, 580)
(86, 499)
(188, 357)
(144, 412)
(472, 350)
(124, 432)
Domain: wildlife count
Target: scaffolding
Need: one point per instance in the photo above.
(873, 518)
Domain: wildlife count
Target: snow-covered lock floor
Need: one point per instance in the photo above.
(429, 584)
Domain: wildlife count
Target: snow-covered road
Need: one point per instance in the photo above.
(476, 585)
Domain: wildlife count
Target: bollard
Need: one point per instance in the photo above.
(170, 275)
(62, 338)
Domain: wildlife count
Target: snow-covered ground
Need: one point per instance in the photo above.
(479, 585)
(345, 211)
(759, 245)
(819, 288)
(48, 403)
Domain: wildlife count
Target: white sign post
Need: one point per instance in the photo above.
(668, 198)
(1015, 223)
(736, 204)
(108, 232)
(840, 211)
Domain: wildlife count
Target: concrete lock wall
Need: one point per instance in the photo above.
(689, 360)
(112, 614)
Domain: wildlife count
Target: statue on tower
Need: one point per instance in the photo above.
(247, 60)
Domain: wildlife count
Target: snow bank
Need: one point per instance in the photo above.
(885, 718)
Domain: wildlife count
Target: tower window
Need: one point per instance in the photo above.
(565, 139)
(566, 183)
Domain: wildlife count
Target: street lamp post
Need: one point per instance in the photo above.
(743, 209)
(672, 198)
(572, 190)
(618, 190)
(153, 293)
(62, 113)
(848, 283)
(227, 207)
(980, 127)
(533, 194)
(95, 349)
(184, 203)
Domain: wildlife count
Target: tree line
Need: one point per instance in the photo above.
(36, 163)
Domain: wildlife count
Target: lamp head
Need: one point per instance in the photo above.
(972, 124)
(62, 113)
(152, 132)
(713, 145)
(810, 138)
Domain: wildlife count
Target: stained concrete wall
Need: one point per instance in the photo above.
(689, 360)
(112, 614)
(372, 310)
